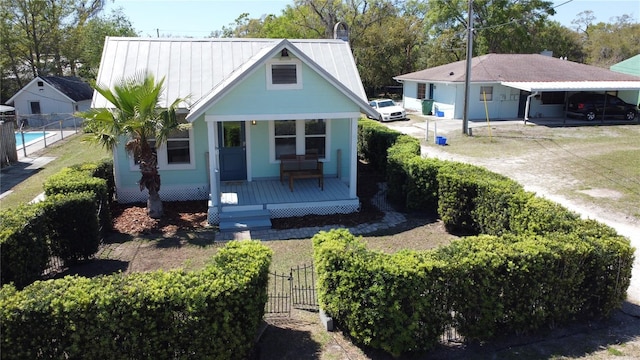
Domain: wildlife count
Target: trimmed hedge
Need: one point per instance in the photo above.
(485, 285)
(24, 251)
(373, 141)
(93, 177)
(397, 174)
(395, 302)
(65, 225)
(530, 264)
(73, 228)
(211, 314)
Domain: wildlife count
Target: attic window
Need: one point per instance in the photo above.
(284, 75)
(40, 83)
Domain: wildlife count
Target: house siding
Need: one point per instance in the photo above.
(185, 184)
(449, 99)
(252, 98)
(51, 101)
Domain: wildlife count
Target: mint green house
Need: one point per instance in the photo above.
(249, 101)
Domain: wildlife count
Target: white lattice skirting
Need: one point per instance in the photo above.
(298, 209)
(167, 193)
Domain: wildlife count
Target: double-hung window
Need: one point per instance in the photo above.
(300, 137)
(177, 153)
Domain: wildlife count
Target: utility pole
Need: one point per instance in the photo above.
(467, 75)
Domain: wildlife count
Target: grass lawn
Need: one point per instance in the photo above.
(72, 150)
(596, 164)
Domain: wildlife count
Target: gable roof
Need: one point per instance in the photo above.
(204, 69)
(519, 68)
(69, 86)
(630, 66)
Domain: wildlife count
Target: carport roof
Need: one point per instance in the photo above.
(533, 86)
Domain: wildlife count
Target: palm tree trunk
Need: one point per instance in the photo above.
(151, 180)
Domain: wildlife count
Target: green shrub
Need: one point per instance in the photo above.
(422, 187)
(398, 156)
(211, 314)
(457, 191)
(23, 245)
(72, 226)
(373, 141)
(504, 285)
(396, 303)
(534, 215)
(80, 179)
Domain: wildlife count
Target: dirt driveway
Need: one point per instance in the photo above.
(551, 159)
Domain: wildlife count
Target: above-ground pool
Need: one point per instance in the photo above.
(29, 137)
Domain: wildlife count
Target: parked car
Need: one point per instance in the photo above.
(388, 110)
(594, 105)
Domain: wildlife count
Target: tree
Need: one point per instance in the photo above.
(500, 26)
(136, 117)
(53, 38)
(608, 44)
(384, 34)
(91, 40)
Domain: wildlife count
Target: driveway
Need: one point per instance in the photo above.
(534, 178)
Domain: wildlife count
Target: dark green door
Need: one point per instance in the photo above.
(232, 150)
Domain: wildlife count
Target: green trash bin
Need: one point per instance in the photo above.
(427, 107)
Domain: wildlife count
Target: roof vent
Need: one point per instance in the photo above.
(451, 73)
(341, 31)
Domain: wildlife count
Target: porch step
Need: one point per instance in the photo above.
(245, 220)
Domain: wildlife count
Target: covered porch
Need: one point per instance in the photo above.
(276, 198)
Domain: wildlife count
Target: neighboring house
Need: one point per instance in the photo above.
(249, 101)
(630, 66)
(52, 95)
(510, 86)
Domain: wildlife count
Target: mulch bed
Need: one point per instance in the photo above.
(191, 215)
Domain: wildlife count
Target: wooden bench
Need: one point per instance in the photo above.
(301, 167)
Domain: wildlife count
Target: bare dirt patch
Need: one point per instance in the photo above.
(602, 193)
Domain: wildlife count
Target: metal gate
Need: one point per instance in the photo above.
(294, 290)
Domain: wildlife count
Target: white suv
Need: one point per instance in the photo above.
(388, 110)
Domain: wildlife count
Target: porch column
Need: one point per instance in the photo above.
(213, 161)
(353, 160)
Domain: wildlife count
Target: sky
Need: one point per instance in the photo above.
(198, 18)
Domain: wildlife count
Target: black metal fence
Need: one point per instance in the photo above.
(297, 290)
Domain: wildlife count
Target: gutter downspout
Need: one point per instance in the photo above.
(527, 107)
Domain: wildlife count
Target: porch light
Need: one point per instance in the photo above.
(253, 122)
(284, 53)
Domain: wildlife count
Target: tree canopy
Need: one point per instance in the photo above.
(388, 37)
(392, 37)
(53, 38)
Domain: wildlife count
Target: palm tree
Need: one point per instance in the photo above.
(137, 118)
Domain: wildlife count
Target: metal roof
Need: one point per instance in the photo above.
(69, 86)
(202, 68)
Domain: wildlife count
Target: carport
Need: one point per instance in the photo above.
(536, 88)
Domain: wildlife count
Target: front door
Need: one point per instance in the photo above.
(232, 150)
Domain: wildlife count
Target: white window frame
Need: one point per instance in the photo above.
(272, 86)
(489, 95)
(300, 140)
(163, 159)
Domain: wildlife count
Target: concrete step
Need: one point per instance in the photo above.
(245, 220)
